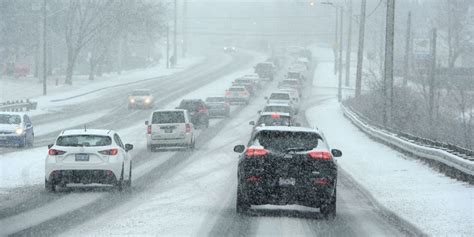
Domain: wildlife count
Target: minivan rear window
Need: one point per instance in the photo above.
(168, 117)
(84, 140)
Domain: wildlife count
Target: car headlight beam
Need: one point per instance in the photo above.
(19, 131)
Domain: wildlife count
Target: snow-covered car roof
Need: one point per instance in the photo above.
(278, 104)
(86, 131)
(14, 113)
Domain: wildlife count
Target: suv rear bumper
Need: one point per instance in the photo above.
(170, 141)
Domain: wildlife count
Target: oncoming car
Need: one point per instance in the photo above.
(16, 129)
(88, 156)
(287, 165)
(142, 98)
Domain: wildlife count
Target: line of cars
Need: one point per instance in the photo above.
(284, 163)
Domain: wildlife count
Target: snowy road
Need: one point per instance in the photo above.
(190, 193)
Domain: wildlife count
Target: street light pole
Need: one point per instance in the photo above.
(167, 45)
(348, 46)
(388, 65)
(336, 39)
(175, 49)
(360, 50)
(45, 73)
(184, 22)
(339, 87)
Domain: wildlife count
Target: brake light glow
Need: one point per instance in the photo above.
(256, 152)
(111, 152)
(321, 181)
(275, 116)
(254, 178)
(320, 155)
(188, 128)
(148, 129)
(54, 152)
(202, 110)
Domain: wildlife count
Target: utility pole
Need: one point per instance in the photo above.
(348, 46)
(339, 87)
(406, 59)
(388, 65)
(175, 49)
(432, 78)
(336, 40)
(360, 50)
(184, 22)
(167, 45)
(45, 67)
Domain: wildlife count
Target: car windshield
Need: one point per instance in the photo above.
(279, 96)
(281, 141)
(168, 117)
(10, 119)
(273, 120)
(84, 140)
(140, 93)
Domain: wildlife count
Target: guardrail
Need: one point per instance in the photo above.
(459, 161)
(18, 106)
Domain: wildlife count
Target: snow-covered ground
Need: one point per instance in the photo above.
(30, 88)
(438, 205)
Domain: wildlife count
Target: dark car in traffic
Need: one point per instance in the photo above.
(218, 106)
(198, 111)
(287, 165)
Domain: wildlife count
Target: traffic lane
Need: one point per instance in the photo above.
(167, 90)
(23, 204)
(168, 164)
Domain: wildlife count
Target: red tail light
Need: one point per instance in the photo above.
(275, 116)
(321, 181)
(148, 129)
(202, 110)
(320, 155)
(54, 152)
(256, 152)
(188, 128)
(254, 178)
(111, 152)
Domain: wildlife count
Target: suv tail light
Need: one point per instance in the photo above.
(148, 129)
(256, 152)
(320, 155)
(188, 128)
(111, 152)
(202, 110)
(54, 152)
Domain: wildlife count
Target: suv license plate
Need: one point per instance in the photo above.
(168, 130)
(82, 157)
(287, 181)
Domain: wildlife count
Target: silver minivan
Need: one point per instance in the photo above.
(169, 128)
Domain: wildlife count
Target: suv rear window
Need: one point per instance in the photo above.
(84, 140)
(269, 120)
(168, 117)
(279, 96)
(281, 141)
(284, 109)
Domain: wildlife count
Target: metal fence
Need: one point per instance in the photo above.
(18, 106)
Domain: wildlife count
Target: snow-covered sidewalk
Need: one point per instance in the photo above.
(436, 204)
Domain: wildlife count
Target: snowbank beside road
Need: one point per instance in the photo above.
(434, 203)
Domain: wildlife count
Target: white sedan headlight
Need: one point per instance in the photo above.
(19, 131)
(147, 100)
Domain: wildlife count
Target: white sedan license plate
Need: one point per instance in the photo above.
(82, 157)
(287, 181)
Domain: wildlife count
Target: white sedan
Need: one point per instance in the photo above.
(88, 156)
